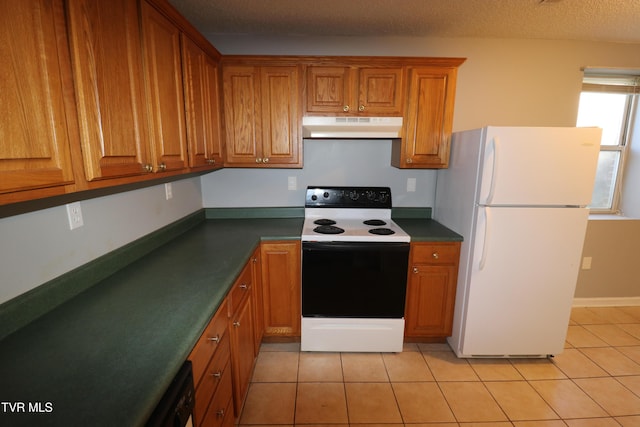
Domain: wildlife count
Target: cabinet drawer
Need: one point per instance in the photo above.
(208, 343)
(435, 253)
(220, 409)
(241, 289)
(212, 378)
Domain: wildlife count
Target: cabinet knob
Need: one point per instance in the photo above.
(243, 286)
(415, 270)
(345, 108)
(211, 161)
(147, 167)
(265, 160)
(162, 167)
(220, 413)
(258, 159)
(435, 255)
(361, 108)
(214, 339)
(409, 160)
(236, 324)
(217, 375)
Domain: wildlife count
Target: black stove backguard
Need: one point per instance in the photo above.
(348, 197)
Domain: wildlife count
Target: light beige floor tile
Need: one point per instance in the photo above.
(593, 422)
(612, 335)
(633, 311)
(495, 370)
(321, 403)
(276, 366)
(612, 361)
(632, 383)
(575, 364)
(543, 423)
(269, 403)
(567, 399)
(422, 402)
(613, 314)
(631, 328)
(407, 366)
(584, 316)
(445, 366)
(633, 421)
(579, 337)
(520, 401)
(361, 367)
(280, 346)
(471, 402)
(371, 403)
(632, 353)
(410, 346)
(436, 346)
(489, 424)
(615, 398)
(316, 367)
(538, 369)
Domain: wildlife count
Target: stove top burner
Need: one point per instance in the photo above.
(381, 231)
(324, 221)
(376, 222)
(328, 229)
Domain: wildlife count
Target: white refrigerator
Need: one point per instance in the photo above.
(518, 197)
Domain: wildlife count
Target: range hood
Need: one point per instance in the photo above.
(351, 127)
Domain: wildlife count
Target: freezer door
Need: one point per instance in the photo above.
(539, 166)
(522, 281)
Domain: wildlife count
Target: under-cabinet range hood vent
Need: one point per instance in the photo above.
(351, 127)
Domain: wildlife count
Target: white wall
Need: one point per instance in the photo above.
(38, 246)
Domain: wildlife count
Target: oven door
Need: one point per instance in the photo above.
(354, 279)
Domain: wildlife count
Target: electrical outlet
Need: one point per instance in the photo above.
(168, 190)
(74, 213)
(411, 185)
(292, 183)
(586, 263)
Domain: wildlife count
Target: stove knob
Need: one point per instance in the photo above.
(326, 194)
(371, 195)
(314, 197)
(384, 197)
(354, 195)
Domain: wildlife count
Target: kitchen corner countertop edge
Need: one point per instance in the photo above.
(106, 356)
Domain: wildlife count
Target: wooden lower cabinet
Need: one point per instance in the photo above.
(281, 289)
(431, 290)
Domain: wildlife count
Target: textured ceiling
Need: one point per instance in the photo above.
(601, 20)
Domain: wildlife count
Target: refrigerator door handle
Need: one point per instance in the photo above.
(495, 142)
(487, 231)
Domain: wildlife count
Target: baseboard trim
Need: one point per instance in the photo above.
(606, 302)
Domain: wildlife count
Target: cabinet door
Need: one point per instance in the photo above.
(242, 353)
(428, 119)
(107, 65)
(163, 71)
(201, 105)
(241, 114)
(430, 298)
(281, 288)
(34, 137)
(329, 90)
(281, 137)
(380, 91)
(257, 294)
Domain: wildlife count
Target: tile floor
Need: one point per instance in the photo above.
(595, 382)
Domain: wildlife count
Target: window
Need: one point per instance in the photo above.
(609, 102)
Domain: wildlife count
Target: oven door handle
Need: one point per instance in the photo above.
(350, 246)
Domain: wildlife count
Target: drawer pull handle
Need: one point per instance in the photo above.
(236, 324)
(243, 286)
(435, 255)
(217, 375)
(220, 413)
(415, 270)
(214, 339)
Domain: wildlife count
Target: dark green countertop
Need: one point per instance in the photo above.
(105, 356)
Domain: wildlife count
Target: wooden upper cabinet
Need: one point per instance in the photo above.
(428, 119)
(164, 88)
(202, 106)
(107, 66)
(367, 91)
(34, 132)
(262, 116)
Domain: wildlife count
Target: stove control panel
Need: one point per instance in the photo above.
(348, 197)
